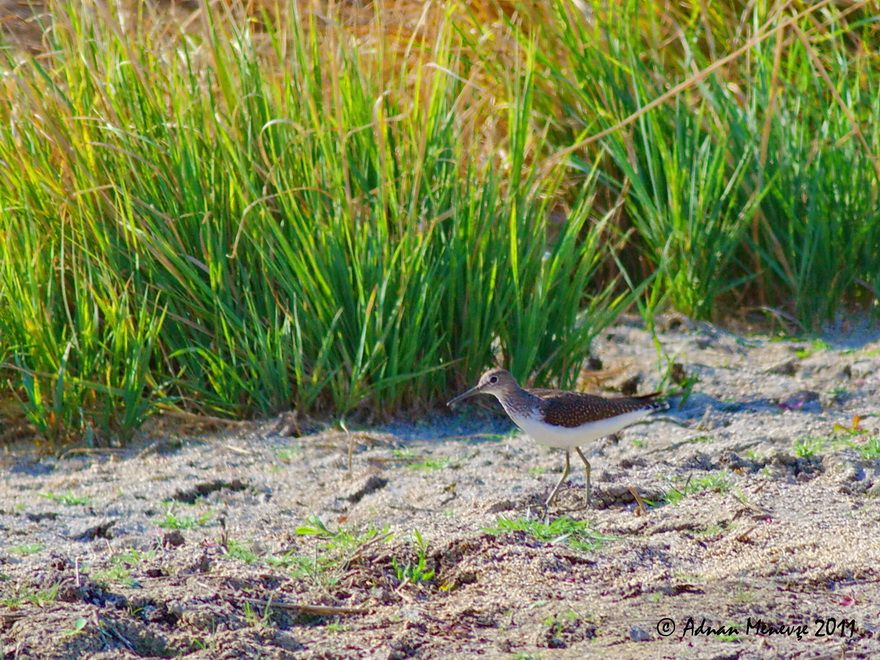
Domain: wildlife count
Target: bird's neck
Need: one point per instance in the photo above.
(519, 403)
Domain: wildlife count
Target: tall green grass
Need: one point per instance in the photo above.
(269, 211)
(818, 239)
(756, 184)
(238, 222)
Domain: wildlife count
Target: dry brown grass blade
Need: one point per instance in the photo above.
(313, 610)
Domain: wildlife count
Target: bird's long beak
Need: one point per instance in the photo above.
(465, 395)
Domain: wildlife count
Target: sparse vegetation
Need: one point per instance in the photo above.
(19, 597)
(808, 447)
(328, 557)
(120, 566)
(287, 454)
(172, 521)
(25, 549)
(710, 530)
(241, 551)
(869, 449)
(414, 571)
(717, 482)
(557, 625)
(574, 533)
(115, 574)
(430, 464)
(68, 498)
(78, 626)
(815, 346)
(258, 619)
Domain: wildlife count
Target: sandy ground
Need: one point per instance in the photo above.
(252, 543)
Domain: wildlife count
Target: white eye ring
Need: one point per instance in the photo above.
(493, 379)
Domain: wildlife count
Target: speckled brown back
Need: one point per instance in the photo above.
(570, 409)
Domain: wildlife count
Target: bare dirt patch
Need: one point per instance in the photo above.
(765, 497)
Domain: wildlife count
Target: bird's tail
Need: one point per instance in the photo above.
(652, 399)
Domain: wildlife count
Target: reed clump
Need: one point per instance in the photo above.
(352, 211)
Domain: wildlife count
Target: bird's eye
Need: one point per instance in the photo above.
(493, 379)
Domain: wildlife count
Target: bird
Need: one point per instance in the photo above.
(563, 419)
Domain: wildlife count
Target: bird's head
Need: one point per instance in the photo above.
(495, 381)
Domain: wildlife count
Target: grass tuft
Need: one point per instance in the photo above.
(25, 596)
(172, 521)
(416, 571)
(68, 499)
(808, 447)
(574, 533)
(716, 482)
(25, 549)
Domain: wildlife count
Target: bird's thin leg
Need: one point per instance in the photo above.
(586, 472)
(561, 479)
(640, 503)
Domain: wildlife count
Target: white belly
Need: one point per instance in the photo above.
(559, 436)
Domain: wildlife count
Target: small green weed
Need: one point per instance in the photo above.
(287, 454)
(742, 497)
(430, 464)
(241, 551)
(558, 624)
(417, 571)
(686, 384)
(709, 530)
(298, 565)
(117, 574)
(815, 346)
(576, 533)
(717, 482)
(868, 450)
(332, 550)
(172, 521)
(68, 498)
(808, 447)
(342, 539)
(261, 620)
(27, 596)
(133, 556)
(745, 596)
(25, 549)
(119, 569)
(839, 393)
(78, 626)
